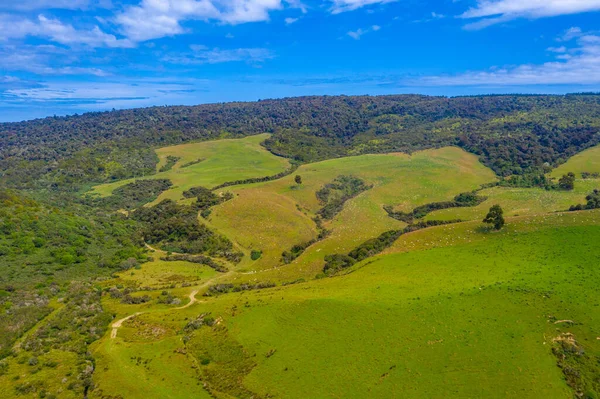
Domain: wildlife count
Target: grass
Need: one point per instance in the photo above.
(276, 215)
(470, 320)
(586, 161)
(159, 273)
(521, 201)
(152, 369)
(450, 311)
(224, 160)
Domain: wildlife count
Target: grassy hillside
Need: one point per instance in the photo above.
(217, 162)
(586, 161)
(452, 311)
(274, 216)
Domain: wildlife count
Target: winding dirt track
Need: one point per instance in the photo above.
(117, 324)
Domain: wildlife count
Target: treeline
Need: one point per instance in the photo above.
(461, 200)
(288, 257)
(334, 195)
(593, 202)
(132, 195)
(251, 180)
(226, 288)
(337, 262)
(511, 134)
(176, 228)
(200, 259)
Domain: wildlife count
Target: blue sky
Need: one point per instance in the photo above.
(72, 56)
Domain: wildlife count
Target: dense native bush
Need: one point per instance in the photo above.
(461, 200)
(511, 134)
(335, 263)
(593, 202)
(200, 259)
(171, 161)
(334, 195)
(133, 195)
(176, 229)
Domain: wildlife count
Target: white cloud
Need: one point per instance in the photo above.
(203, 55)
(356, 35)
(340, 6)
(495, 11)
(289, 21)
(28, 5)
(39, 60)
(580, 66)
(153, 19)
(12, 27)
(561, 49)
(570, 34)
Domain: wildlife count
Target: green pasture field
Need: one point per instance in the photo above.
(585, 161)
(521, 201)
(450, 311)
(223, 161)
(274, 216)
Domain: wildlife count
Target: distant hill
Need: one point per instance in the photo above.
(512, 134)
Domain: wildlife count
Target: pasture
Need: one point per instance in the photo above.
(220, 161)
(452, 310)
(274, 216)
(585, 161)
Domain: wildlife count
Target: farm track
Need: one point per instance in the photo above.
(192, 296)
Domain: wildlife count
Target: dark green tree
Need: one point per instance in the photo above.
(567, 182)
(495, 217)
(298, 179)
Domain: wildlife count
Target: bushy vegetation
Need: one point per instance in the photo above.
(288, 257)
(200, 259)
(171, 161)
(593, 202)
(337, 262)
(133, 195)
(512, 134)
(334, 195)
(461, 200)
(251, 180)
(43, 248)
(176, 228)
(225, 288)
(206, 199)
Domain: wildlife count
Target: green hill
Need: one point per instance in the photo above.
(299, 248)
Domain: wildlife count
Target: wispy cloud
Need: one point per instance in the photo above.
(40, 60)
(289, 21)
(340, 6)
(30, 5)
(579, 64)
(491, 12)
(356, 34)
(204, 55)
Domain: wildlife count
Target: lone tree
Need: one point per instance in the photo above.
(567, 182)
(298, 179)
(495, 217)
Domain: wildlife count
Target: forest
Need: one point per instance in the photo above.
(511, 134)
